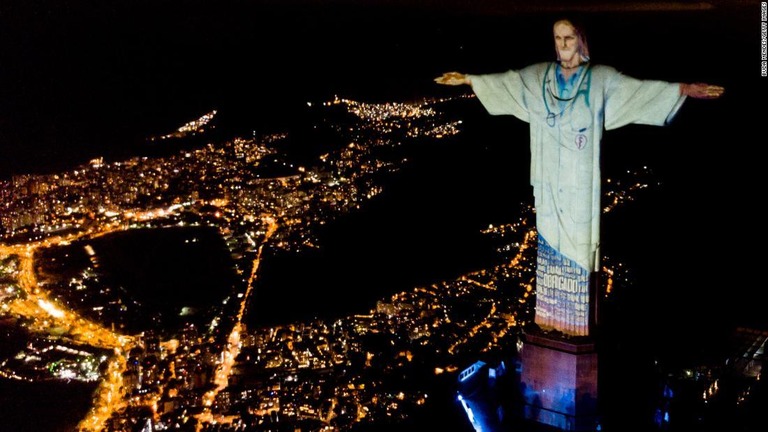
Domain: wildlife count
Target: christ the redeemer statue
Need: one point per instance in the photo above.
(568, 103)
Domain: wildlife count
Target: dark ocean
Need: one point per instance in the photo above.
(81, 80)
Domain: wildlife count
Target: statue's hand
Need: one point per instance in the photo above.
(702, 91)
(452, 78)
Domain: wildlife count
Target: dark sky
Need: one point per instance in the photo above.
(80, 78)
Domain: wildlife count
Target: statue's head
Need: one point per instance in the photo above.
(570, 42)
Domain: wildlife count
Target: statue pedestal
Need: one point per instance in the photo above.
(559, 382)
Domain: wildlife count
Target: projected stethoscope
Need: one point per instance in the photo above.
(549, 93)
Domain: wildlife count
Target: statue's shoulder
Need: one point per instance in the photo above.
(536, 69)
(539, 67)
(603, 70)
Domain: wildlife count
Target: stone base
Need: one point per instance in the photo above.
(559, 382)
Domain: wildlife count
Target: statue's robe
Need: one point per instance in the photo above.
(566, 126)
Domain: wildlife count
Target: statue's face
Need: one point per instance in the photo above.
(567, 43)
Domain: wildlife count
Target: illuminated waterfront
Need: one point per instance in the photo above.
(209, 366)
(126, 368)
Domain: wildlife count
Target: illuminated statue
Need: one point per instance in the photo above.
(568, 104)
